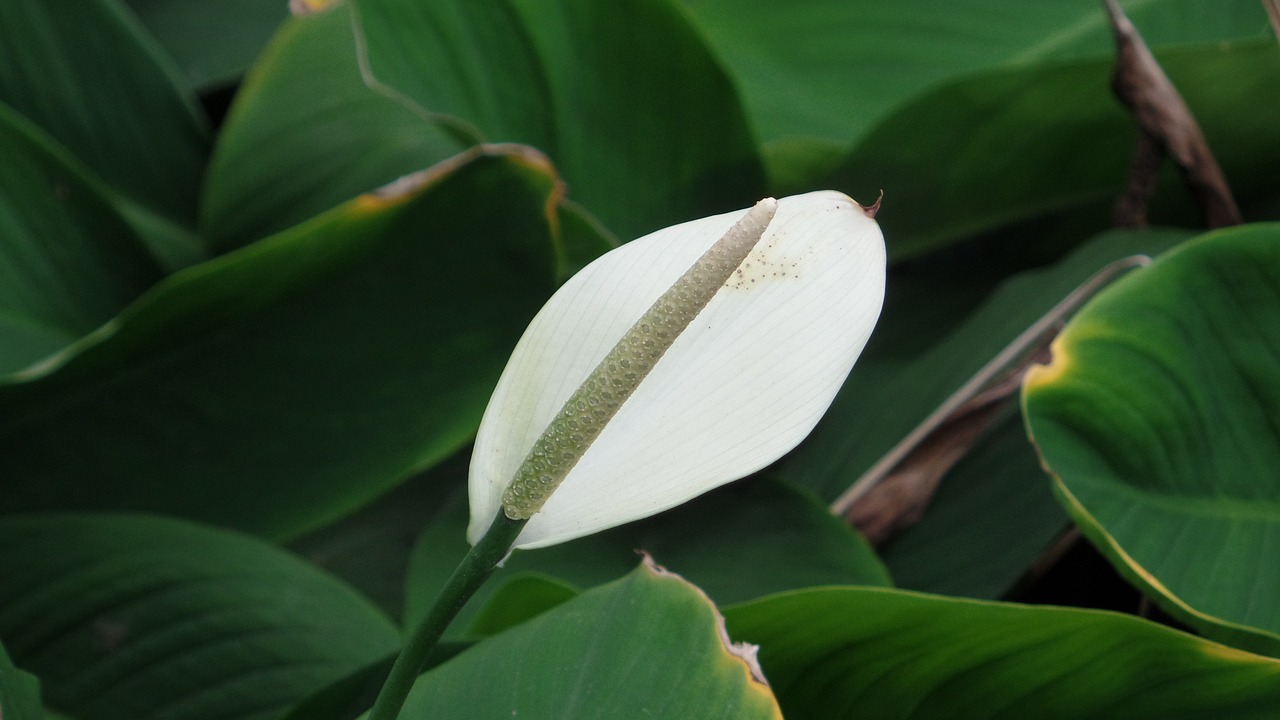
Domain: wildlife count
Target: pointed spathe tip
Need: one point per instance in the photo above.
(874, 208)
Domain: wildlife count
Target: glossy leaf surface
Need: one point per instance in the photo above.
(740, 542)
(861, 59)
(307, 133)
(141, 617)
(91, 77)
(1158, 416)
(592, 85)
(994, 511)
(870, 652)
(1049, 139)
(648, 645)
(68, 260)
(350, 351)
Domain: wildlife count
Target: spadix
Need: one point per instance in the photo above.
(676, 363)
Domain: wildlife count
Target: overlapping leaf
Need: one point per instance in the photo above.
(835, 68)
(281, 386)
(93, 79)
(1160, 418)
(344, 99)
(1011, 145)
(68, 260)
(139, 617)
(904, 375)
(19, 691)
(307, 133)
(213, 43)
(648, 645)
(740, 542)
(871, 652)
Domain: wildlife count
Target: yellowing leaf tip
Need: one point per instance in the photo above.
(1046, 374)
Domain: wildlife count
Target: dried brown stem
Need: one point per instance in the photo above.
(1273, 12)
(1168, 126)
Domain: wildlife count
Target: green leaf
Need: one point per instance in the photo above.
(647, 645)
(479, 69)
(588, 83)
(746, 540)
(519, 599)
(19, 691)
(142, 617)
(351, 696)
(871, 652)
(649, 128)
(1160, 418)
(1014, 144)
(213, 43)
(277, 388)
(95, 81)
(307, 133)
(858, 60)
(371, 548)
(997, 499)
(68, 261)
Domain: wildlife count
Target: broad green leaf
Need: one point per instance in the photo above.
(1159, 417)
(997, 497)
(904, 382)
(94, 80)
(833, 69)
(306, 133)
(475, 64)
(1018, 143)
(647, 645)
(19, 691)
(871, 652)
(327, 114)
(125, 616)
(278, 387)
(649, 128)
(519, 599)
(740, 542)
(68, 261)
(213, 43)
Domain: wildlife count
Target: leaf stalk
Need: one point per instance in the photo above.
(475, 568)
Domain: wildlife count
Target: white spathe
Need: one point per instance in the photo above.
(742, 385)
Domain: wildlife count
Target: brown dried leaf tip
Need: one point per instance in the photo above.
(744, 652)
(1167, 128)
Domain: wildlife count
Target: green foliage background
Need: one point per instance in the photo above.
(260, 269)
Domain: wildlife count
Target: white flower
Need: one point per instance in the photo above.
(741, 385)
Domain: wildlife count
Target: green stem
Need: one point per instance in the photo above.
(475, 568)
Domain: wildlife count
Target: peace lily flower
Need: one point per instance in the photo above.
(677, 363)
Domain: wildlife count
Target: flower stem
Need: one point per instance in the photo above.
(471, 573)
